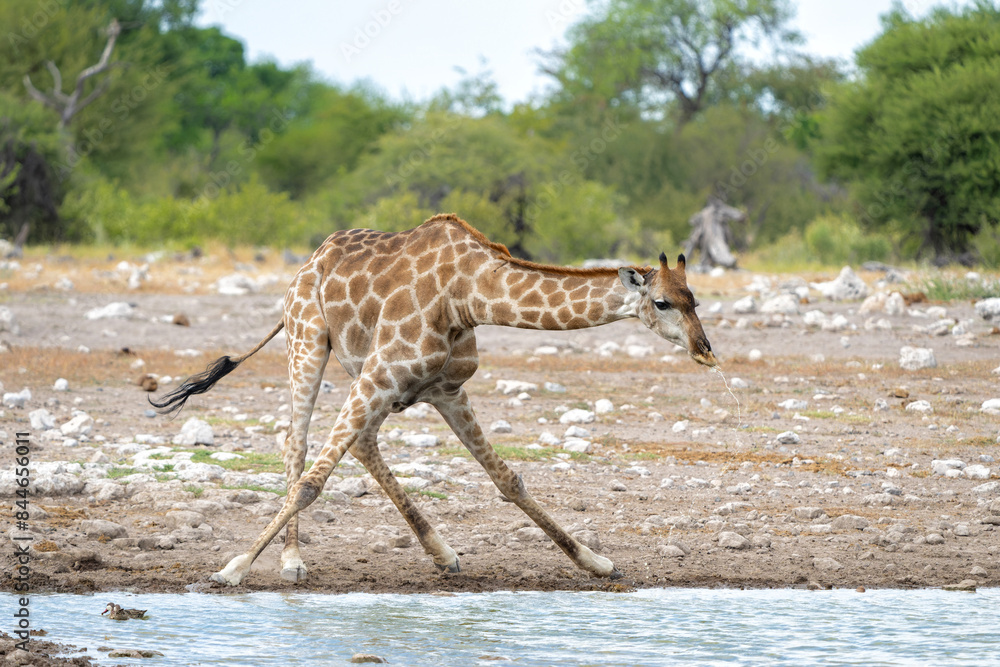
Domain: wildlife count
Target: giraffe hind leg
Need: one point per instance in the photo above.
(457, 411)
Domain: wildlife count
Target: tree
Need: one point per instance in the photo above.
(666, 55)
(916, 136)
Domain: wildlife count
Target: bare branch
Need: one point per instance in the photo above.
(37, 94)
(56, 81)
(113, 31)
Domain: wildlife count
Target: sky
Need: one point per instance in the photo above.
(411, 48)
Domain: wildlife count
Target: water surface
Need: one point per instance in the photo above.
(649, 627)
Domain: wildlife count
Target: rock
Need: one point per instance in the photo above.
(180, 518)
(359, 658)
(745, 306)
(80, 424)
(17, 400)
(942, 466)
(755, 355)
(225, 456)
(988, 309)
(235, 284)
(976, 471)
(578, 446)
(787, 304)
(729, 508)
(670, 551)
(849, 522)
(99, 528)
(420, 440)
(604, 406)
(147, 382)
(827, 564)
(547, 438)
(515, 386)
(807, 513)
(8, 322)
(680, 426)
(41, 420)
(639, 351)
(788, 438)
(915, 358)
(181, 320)
(616, 485)
(919, 406)
(845, 287)
(117, 309)
(934, 538)
(989, 488)
(966, 585)
(977, 571)
(793, 404)
(194, 432)
(198, 472)
(588, 538)
(875, 303)
(576, 416)
(731, 540)
(501, 426)
(355, 487)
(576, 432)
(554, 387)
(530, 534)
(133, 653)
(62, 384)
(895, 305)
(991, 406)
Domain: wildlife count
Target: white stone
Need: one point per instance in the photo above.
(18, 399)
(679, 426)
(873, 304)
(198, 472)
(787, 304)
(576, 416)
(501, 426)
(731, 540)
(546, 351)
(976, 471)
(80, 424)
(745, 306)
(417, 411)
(547, 438)
(919, 406)
(116, 309)
(414, 483)
(845, 287)
(515, 386)
(576, 432)
(895, 305)
(836, 324)
(62, 384)
(420, 440)
(915, 358)
(755, 355)
(793, 404)
(608, 348)
(8, 322)
(788, 438)
(194, 432)
(225, 456)
(991, 406)
(354, 487)
(603, 406)
(989, 488)
(554, 387)
(988, 309)
(41, 420)
(814, 318)
(235, 284)
(578, 445)
(942, 466)
(639, 351)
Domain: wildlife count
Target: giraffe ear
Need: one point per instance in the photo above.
(632, 279)
(681, 263)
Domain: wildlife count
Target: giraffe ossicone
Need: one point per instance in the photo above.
(399, 311)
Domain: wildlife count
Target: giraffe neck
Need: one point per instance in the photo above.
(530, 298)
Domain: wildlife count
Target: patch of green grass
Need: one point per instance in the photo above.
(196, 490)
(818, 414)
(251, 461)
(118, 473)
(160, 457)
(948, 288)
(253, 487)
(433, 494)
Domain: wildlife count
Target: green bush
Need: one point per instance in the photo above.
(835, 240)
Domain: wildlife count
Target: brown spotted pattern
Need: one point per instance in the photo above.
(398, 311)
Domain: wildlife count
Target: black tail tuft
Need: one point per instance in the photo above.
(196, 384)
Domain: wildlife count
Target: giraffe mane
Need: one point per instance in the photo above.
(504, 253)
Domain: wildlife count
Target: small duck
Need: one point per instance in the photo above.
(119, 614)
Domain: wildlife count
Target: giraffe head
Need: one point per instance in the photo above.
(667, 306)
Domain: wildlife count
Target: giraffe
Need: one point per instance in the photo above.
(399, 311)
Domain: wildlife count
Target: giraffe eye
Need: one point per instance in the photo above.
(661, 305)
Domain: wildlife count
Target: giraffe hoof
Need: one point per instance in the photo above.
(615, 574)
(233, 573)
(452, 569)
(294, 574)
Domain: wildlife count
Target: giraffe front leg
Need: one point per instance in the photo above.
(445, 558)
(457, 411)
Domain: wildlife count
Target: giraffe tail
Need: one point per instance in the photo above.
(202, 382)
